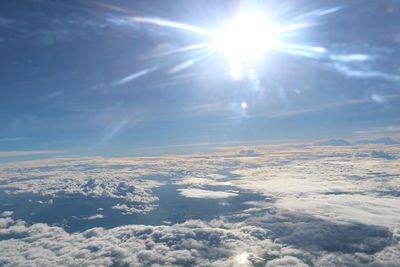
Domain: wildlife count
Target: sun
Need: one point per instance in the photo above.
(245, 39)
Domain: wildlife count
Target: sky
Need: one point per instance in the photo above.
(102, 78)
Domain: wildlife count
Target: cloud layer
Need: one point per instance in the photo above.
(318, 206)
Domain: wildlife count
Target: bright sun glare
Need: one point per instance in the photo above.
(245, 39)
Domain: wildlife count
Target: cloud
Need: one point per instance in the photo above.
(12, 139)
(378, 98)
(319, 12)
(91, 177)
(249, 153)
(134, 208)
(192, 243)
(324, 206)
(197, 181)
(345, 207)
(286, 261)
(310, 110)
(93, 217)
(382, 140)
(274, 239)
(382, 154)
(201, 193)
(363, 74)
(171, 24)
(55, 94)
(5, 222)
(134, 76)
(351, 57)
(381, 132)
(4, 154)
(7, 213)
(333, 142)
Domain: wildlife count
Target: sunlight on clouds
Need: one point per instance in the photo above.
(242, 259)
(321, 206)
(200, 193)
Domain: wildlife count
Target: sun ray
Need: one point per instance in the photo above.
(205, 45)
(247, 39)
(186, 64)
(172, 24)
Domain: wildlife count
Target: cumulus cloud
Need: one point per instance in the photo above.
(276, 239)
(5, 222)
(7, 213)
(131, 209)
(324, 206)
(191, 243)
(98, 178)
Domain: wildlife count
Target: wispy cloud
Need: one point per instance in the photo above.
(55, 94)
(13, 139)
(393, 130)
(319, 13)
(5, 154)
(134, 76)
(351, 57)
(171, 24)
(314, 109)
(364, 74)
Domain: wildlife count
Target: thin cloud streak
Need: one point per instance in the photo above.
(12, 139)
(135, 76)
(296, 112)
(172, 24)
(364, 74)
(5, 154)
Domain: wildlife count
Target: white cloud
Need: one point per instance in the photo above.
(363, 73)
(93, 217)
(134, 76)
(197, 181)
(285, 262)
(5, 222)
(351, 57)
(7, 213)
(369, 209)
(280, 239)
(92, 177)
(325, 206)
(131, 209)
(201, 193)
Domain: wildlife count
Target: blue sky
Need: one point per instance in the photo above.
(83, 77)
